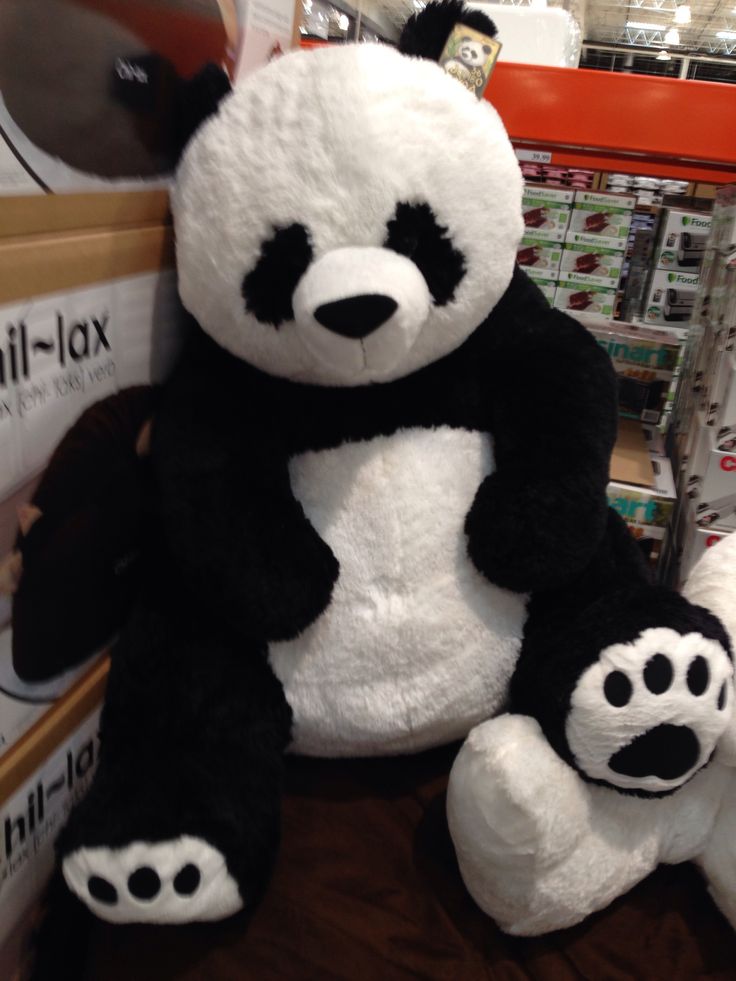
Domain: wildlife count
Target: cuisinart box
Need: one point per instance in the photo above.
(546, 211)
(671, 297)
(40, 779)
(81, 316)
(645, 360)
(683, 238)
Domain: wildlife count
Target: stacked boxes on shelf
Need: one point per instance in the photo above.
(594, 250)
(642, 487)
(679, 253)
(546, 212)
(704, 422)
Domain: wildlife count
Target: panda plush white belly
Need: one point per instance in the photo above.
(416, 646)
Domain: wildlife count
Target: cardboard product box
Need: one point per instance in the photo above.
(81, 317)
(544, 219)
(642, 489)
(40, 779)
(683, 239)
(65, 66)
(584, 264)
(593, 241)
(539, 258)
(544, 192)
(646, 362)
(694, 543)
(589, 299)
(671, 297)
(607, 217)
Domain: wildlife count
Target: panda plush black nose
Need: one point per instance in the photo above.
(356, 316)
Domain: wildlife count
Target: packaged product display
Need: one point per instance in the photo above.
(603, 266)
(588, 299)
(646, 362)
(540, 259)
(683, 236)
(671, 297)
(607, 217)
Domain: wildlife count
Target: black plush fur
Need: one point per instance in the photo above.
(415, 232)
(426, 32)
(226, 431)
(269, 286)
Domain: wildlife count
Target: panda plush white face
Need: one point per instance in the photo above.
(348, 216)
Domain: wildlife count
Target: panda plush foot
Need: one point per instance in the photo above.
(618, 755)
(182, 820)
(179, 881)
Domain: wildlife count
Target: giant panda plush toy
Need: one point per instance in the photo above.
(379, 444)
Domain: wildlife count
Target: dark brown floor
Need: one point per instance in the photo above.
(366, 889)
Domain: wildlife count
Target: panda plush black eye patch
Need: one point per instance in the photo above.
(415, 232)
(268, 288)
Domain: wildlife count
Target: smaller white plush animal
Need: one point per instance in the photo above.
(650, 736)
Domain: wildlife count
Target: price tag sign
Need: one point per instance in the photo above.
(534, 156)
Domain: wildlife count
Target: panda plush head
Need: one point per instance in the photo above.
(351, 214)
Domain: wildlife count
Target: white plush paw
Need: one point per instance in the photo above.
(178, 881)
(648, 714)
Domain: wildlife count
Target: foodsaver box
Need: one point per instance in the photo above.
(671, 297)
(605, 216)
(585, 299)
(539, 258)
(683, 239)
(586, 264)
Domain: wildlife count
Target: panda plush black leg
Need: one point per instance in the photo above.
(629, 682)
(182, 820)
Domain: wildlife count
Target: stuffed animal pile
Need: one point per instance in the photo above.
(375, 510)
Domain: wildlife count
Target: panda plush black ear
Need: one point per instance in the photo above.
(425, 33)
(169, 109)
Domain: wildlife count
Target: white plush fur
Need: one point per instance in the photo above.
(342, 273)
(539, 848)
(596, 729)
(335, 139)
(216, 897)
(416, 646)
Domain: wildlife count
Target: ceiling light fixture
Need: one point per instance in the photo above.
(663, 56)
(726, 35)
(672, 36)
(641, 26)
(683, 14)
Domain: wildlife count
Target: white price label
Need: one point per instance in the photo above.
(534, 156)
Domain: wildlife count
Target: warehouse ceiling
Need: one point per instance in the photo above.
(702, 26)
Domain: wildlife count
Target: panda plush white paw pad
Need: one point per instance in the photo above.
(648, 714)
(179, 881)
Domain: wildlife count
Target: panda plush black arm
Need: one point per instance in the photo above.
(242, 542)
(553, 404)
